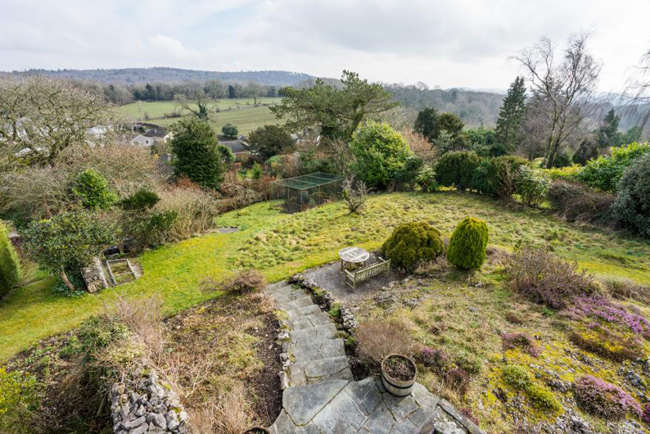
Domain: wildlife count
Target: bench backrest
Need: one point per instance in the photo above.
(368, 272)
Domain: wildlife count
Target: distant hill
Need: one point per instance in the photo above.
(172, 75)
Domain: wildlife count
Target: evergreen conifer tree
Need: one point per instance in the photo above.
(511, 114)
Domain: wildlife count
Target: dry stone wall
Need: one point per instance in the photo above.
(144, 404)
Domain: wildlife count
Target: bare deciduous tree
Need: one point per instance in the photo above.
(355, 194)
(41, 117)
(564, 85)
(637, 93)
(420, 146)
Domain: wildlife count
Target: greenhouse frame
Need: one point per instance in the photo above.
(306, 191)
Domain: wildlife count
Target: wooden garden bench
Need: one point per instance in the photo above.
(363, 274)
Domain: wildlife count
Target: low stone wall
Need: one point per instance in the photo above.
(143, 404)
(94, 276)
(324, 299)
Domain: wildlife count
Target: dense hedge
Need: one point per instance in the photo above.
(577, 202)
(496, 176)
(9, 263)
(381, 155)
(531, 186)
(457, 169)
(412, 243)
(604, 172)
(468, 244)
(632, 205)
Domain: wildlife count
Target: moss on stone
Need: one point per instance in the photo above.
(516, 376)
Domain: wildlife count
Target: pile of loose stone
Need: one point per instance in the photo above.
(142, 404)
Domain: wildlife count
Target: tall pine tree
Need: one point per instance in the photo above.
(511, 114)
(196, 152)
(608, 132)
(427, 123)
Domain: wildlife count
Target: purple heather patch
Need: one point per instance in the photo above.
(604, 309)
(599, 397)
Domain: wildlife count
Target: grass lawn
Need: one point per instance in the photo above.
(281, 244)
(241, 112)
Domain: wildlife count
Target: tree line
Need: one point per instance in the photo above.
(121, 94)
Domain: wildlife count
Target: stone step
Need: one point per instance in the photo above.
(318, 350)
(315, 319)
(312, 334)
(282, 290)
(301, 302)
(274, 286)
(282, 300)
(301, 311)
(317, 371)
(301, 404)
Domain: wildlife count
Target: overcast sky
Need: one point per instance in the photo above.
(447, 43)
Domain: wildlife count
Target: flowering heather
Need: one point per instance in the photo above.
(599, 397)
(522, 341)
(601, 307)
(437, 358)
(544, 278)
(646, 414)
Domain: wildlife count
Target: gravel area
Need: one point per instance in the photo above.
(331, 278)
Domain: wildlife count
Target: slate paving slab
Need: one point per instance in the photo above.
(319, 350)
(304, 402)
(300, 311)
(309, 320)
(313, 334)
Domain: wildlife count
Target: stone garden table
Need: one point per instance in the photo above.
(353, 256)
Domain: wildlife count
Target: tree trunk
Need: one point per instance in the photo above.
(644, 122)
(553, 145)
(67, 282)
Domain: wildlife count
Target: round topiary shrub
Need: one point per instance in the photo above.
(412, 243)
(468, 244)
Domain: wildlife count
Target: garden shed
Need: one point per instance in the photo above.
(306, 191)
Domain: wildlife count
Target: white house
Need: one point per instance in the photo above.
(141, 140)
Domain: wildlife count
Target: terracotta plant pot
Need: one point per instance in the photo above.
(257, 430)
(397, 387)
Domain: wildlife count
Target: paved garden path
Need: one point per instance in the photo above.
(321, 396)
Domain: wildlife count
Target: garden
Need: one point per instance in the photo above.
(518, 293)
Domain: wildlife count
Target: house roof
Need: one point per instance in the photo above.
(142, 140)
(236, 146)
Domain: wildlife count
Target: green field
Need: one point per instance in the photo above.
(281, 244)
(241, 112)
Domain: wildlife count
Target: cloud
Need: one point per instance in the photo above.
(463, 43)
(169, 46)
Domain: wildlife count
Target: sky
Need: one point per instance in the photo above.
(446, 43)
